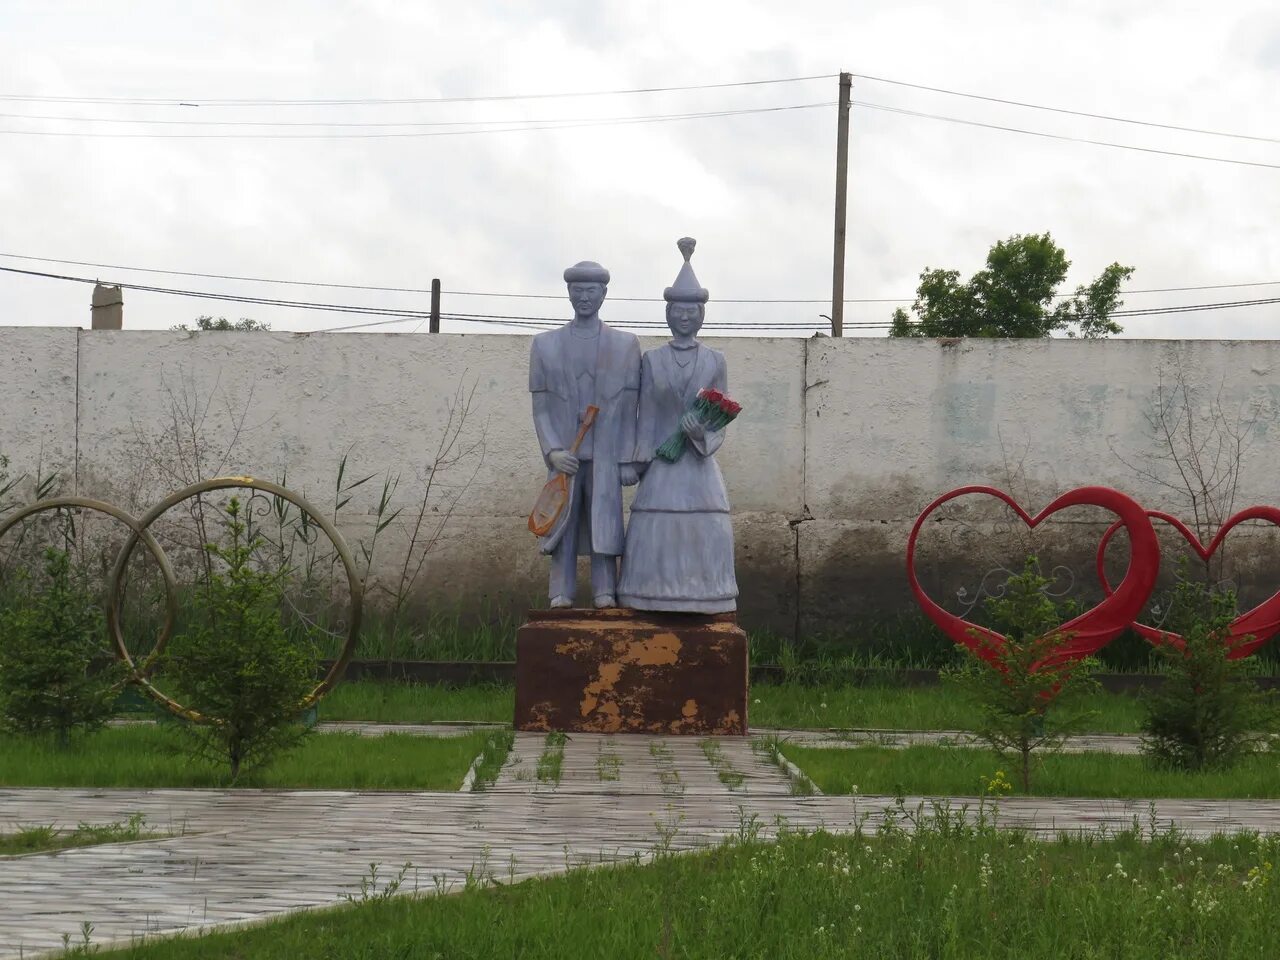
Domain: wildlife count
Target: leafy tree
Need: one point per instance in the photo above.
(1013, 297)
(244, 324)
(49, 641)
(1026, 699)
(236, 663)
(1208, 714)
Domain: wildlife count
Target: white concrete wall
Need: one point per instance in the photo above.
(841, 444)
(892, 424)
(38, 400)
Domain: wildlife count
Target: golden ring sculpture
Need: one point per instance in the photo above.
(140, 673)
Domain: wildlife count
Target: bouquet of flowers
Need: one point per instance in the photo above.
(710, 406)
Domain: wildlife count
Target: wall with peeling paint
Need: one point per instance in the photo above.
(841, 444)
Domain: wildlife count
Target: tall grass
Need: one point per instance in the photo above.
(944, 891)
(438, 635)
(904, 639)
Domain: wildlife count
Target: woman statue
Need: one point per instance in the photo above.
(679, 547)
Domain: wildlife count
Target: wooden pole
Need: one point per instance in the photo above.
(434, 326)
(842, 181)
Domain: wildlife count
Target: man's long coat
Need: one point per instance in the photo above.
(555, 417)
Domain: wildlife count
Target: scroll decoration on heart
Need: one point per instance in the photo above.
(1249, 631)
(1088, 633)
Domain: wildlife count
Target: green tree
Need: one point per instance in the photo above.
(1013, 297)
(1209, 713)
(50, 639)
(244, 324)
(236, 663)
(1026, 699)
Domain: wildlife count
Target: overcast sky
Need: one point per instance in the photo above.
(506, 212)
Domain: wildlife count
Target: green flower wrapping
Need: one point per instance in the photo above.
(713, 409)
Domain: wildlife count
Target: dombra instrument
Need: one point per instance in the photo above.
(551, 502)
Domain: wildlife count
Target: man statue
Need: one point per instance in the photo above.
(586, 363)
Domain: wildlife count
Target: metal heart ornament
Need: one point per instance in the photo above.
(1088, 633)
(1251, 629)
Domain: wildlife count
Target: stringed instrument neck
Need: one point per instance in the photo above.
(587, 421)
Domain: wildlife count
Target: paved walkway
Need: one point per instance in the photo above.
(249, 854)
(1087, 743)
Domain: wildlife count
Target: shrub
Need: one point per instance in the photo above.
(50, 638)
(1025, 700)
(1208, 713)
(236, 663)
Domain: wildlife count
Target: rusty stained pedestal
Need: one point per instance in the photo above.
(629, 671)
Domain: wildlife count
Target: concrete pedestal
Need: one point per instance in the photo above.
(627, 671)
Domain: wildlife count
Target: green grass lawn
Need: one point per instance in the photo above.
(379, 702)
(792, 706)
(772, 705)
(951, 894)
(152, 756)
(959, 771)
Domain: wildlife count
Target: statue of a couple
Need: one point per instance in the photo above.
(677, 552)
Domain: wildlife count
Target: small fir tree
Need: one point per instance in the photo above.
(236, 663)
(1208, 713)
(1026, 699)
(54, 673)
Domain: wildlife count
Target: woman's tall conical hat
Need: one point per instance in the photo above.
(686, 289)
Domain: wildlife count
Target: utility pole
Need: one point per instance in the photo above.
(434, 325)
(842, 182)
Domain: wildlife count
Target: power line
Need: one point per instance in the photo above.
(1192, 308)
(1064, 110)
(1061, 136)
(470, 132)
(560, 296)
(343, 123)
(378, 101)
(354, 286)
(547, 323)
(1142, 311)
(372, 101)
(397, 313)
(388, 289)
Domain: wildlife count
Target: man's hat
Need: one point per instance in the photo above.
(686, 289)
(587, 271)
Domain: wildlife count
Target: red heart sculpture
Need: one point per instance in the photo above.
(1251, 629)
(1093, 629)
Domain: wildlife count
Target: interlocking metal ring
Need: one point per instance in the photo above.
(140, 673)
(144, 669)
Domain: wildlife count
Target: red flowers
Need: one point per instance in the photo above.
(720, 400)
(713, 408)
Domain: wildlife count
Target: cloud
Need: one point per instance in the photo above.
(506, 212)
